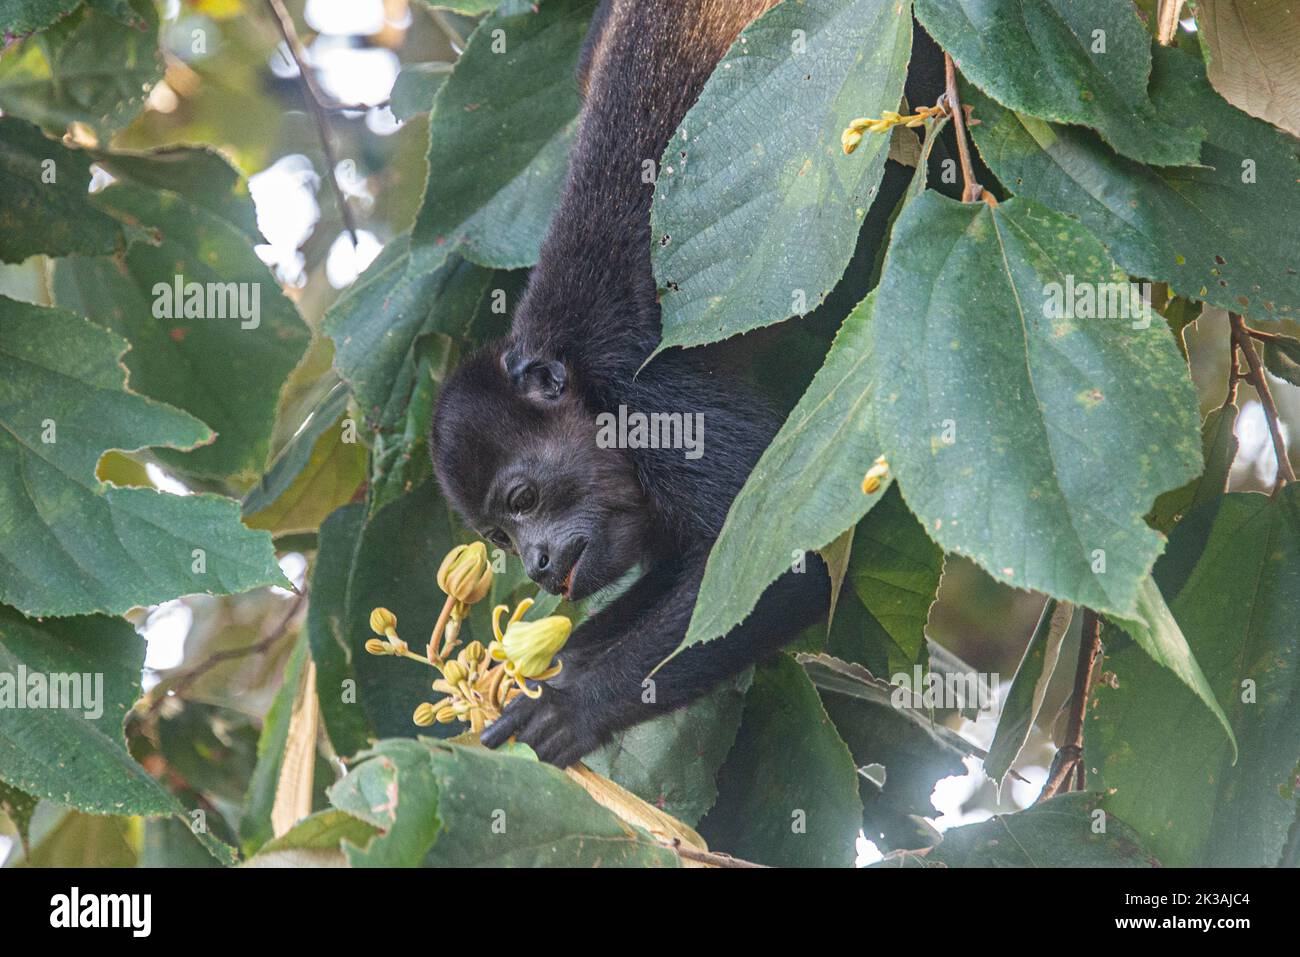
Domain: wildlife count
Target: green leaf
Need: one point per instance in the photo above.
(324, 830)
(394, 789)
(68, 544)
(47, 207)
(414, 89)
(894, 574)
(1232, 578)
(74, 756)
(805, 489)
(199, 173)
(319, 470)
(908, 749)
(224, 366)
(1062, 832)
(1157, 633)
(672, 761)
(790, 806)
(376, 323)
(1170, 224)
(448, 805)
(1024, 701)
(1064, 429)
(1282, 358)
(90, 67)
(26, 16)
(1250, 52)
(1218, 448)
(1071, 61)
(387, 559)
(757, 209)
(518, 106)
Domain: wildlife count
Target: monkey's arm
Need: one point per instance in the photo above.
(611, 692)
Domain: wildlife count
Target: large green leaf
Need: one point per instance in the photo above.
(788, 794)
(224, 368)
(447, 805)
(320, 469)
(1232, 576)
(24, 16)
(47, 208)
(804, 491)
(756, 208)
(387, 559)
(1032, 445)
(499, 135)
(1218, 448)
(1072, 61)
(1071, 830)
(90, 67)
(1153, 627)
(376, 323)
(901, 745)
(1200, 229)
(672, 761)
(74, 756)
(68, 544)
(894, 573)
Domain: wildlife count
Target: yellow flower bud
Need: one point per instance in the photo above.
(454, 672)
(382, 621)
(466, 573)
(377, 647)
(850, 140)
(875, 475)
(532, 644)
(425, 714)
(446, 714)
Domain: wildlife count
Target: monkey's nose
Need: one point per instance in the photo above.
(536, 563)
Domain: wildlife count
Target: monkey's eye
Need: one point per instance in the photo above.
(499, 539)
(522, 498)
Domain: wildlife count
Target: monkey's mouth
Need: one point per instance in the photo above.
(566, 586)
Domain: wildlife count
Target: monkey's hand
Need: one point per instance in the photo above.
(560, 726)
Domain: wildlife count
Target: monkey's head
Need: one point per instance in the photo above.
(514, 448)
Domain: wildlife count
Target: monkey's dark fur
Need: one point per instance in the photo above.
(514, 433)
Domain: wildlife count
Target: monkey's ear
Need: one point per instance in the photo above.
(536, 379)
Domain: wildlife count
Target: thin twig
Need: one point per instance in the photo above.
(1167, 21)
(971, 189)
(1069, 757)
(1234, 372)
(316, 103)
(187, 678)
(707, 857)
(1241, 336)
(453, 37)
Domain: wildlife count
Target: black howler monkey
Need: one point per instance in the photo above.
(514, 433)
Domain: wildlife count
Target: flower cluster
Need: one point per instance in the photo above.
(478, 681)
(852, 135)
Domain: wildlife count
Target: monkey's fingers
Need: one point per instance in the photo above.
(509, 724)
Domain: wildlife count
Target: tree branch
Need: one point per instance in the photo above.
(712, 858)
(1069, 757)
(317, 105)
(1241, 337)
(971, 189)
